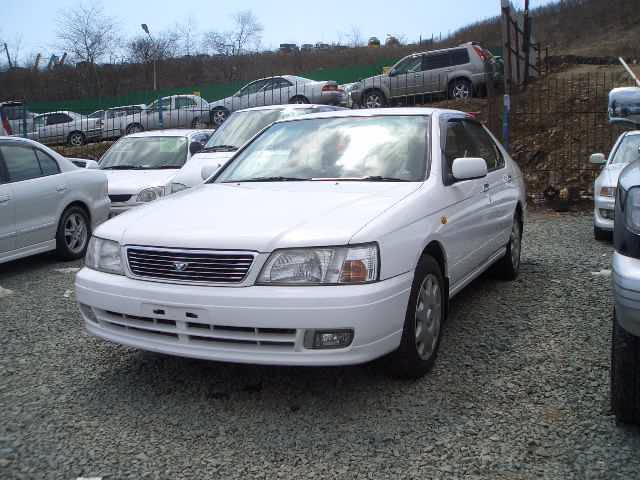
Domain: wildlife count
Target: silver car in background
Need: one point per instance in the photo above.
(625, 150)
(65, 127)
(460, 72)
(277, 91)
(114, 118)
(175, 111)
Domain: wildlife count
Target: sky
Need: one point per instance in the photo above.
(32, 22)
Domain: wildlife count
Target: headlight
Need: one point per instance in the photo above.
(104, 255)
(150, 194)
(322, 266)
(608, 191)
(177, 187)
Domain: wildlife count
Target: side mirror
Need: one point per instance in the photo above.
(195, 147)
(469, 168)
(598, 159)
(208, 170)
(92, 165)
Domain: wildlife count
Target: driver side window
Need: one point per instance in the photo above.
(458, 144)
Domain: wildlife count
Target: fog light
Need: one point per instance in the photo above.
(88, 313)
(606, 213)
(328, 338)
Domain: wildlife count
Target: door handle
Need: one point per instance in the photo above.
(61, 188)
(485, 187)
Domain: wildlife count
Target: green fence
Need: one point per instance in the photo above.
(208, 92)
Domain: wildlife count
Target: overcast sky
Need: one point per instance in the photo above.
(290, 22)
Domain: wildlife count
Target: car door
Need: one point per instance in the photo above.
(38, 187)
(7, 212)
(437, 66)
(502, 192)
(405, 77)
(468, 202)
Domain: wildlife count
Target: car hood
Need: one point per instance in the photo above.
(257, 216)
(376, 80)
(610, 174)
(191, 173)
(134, 181)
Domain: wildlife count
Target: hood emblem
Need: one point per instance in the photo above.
(180, 266)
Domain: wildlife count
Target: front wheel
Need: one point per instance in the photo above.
(134, 128)
(423, 322)
(373, 99)
(219, 116)
(299, 100)
(76, 139)
(509, 265)
(73, 234)
(625, 374)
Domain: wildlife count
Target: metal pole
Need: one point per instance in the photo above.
(629, 71)
(155, 72)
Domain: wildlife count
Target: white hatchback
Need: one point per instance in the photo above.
(46, 202)
(330, 239)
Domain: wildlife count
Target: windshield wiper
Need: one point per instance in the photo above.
(220, 148)
(268, 179)
(370, 178)
(161, 167)
(123, 167)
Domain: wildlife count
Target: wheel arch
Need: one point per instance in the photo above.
(80, 204)
(437, 251)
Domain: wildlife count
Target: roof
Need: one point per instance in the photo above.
(285, 106)
(172, 132)
(375, 112)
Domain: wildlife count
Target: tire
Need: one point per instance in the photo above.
(197, 123)
(601, 235)
(625, 375)
(417, 353)
(460, 89)
(74, 231)
(134, 128)
(373, 99)
(219, 116)
(76, 139)
(299, 100)
(508, 266)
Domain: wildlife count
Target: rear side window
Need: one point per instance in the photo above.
(47, 164)
(484, 146)
(185, 102)
(459, 56)
(21, 162)
(434, 61)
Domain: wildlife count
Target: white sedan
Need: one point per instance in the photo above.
(46, 202)
(625, 150)
(140, 165)
(329, 239)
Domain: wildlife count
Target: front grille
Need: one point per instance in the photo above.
(119, 198)
(192, 266)
(190, 332)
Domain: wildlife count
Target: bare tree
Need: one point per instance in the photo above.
(187, 36)
(142, 49)
(86, 32)
(354, 37)
(245, 36)
(12, 50)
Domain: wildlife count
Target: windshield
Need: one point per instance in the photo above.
(146, 153)
(242, 126)
(369, 148)
(628, 151)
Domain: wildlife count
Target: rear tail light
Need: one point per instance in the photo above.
(481, 53)
(330, 88)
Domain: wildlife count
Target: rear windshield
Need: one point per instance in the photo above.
(350, 148)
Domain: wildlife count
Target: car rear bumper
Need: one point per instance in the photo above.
(626, 292)
(256, 324)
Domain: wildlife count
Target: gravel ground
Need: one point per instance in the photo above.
(520, 390)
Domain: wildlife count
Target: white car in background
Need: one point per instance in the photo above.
(176, 111)
(625, 150)
(114, 119)
(139, 166)
(233, 134)
(54, 128)
(46, 202)
(329, 239)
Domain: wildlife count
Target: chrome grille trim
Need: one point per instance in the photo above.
(203, 267)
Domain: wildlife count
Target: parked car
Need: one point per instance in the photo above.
(114, 119)
(460, 72)
(46, 202)
(348, 232)
(625, 150)
(277, 91)
(233, 134)
(139, 165)
(65, 127)
(176, 111)
(19, 119)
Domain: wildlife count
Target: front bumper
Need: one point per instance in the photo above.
(603, 203)
(626, 292)
(255, 324)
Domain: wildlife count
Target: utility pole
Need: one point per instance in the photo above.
(155, 56)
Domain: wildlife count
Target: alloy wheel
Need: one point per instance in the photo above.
(373, 100)
(428, 316)
(461, 91)
(219, 117)
(76, 139)
(75, 233)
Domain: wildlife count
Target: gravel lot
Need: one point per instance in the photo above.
(520, 390)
